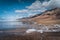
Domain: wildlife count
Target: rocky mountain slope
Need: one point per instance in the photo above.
(47, 17)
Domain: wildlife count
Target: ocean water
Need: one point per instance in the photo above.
(10, 24)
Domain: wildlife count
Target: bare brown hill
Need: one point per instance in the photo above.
(47, 17)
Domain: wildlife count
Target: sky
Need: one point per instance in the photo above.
(14, 9)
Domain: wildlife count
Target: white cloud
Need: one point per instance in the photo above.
(38, 7)
(45, 4)
(35, 6)
(33, 9)
(21, 11)
(53, 4)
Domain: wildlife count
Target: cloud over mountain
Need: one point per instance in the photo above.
(53, 4)
(34, 8)
(38, 7)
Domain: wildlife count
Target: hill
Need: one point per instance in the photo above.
(48, 17)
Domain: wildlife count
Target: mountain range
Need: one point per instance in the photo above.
(48, 17)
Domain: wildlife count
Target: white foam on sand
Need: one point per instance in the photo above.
(34, 30)
(31, 30)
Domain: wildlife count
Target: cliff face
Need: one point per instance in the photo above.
(48, 17)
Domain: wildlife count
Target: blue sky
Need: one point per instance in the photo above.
(14, 9)
(8, 7)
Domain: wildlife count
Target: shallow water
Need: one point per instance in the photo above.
(10, 24)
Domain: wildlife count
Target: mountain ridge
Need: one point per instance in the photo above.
(48, 17)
